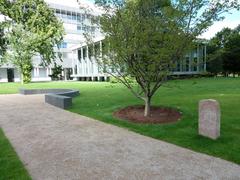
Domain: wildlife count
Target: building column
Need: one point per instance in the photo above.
(47, 71)
(87, 63)
(205, 57)
(93, 61)
(73, 64)
(65, 74)
(77, 62)
(82, 62)
(37, 72)
(198, 63)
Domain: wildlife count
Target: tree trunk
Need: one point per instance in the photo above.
(147, 106)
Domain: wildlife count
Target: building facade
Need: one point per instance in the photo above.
(78, 63)
(76, 22)
(85, 67)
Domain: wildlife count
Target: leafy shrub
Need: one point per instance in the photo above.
(56, 72)
(27, 72)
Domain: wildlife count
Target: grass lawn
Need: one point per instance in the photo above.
(100, 100)
(10, 165)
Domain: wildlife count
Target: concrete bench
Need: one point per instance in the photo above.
(61, 98)
(62, 102)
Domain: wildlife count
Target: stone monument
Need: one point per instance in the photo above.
(209, 118)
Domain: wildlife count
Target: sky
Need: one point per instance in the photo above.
(231, 21)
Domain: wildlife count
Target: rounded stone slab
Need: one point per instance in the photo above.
(61, 98)
(209, 118)
(63, 92)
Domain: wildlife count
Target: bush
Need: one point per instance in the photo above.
(56, 72)
(27, 73)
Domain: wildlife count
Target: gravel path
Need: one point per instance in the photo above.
(56, 144)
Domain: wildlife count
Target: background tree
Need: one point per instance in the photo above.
(32, 29)
(3, 41)
(216, 50)
(231, 53)
(224, 51)
(56, 72)
(145, 39)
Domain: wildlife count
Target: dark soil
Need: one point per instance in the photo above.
(158, 115)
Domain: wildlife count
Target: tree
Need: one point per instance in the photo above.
(231, 53)
(145, 39)
(215, 51)
(56, 72)
(32, 29)
(223, 52)
(3, 42)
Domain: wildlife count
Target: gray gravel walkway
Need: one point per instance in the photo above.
(56, 144)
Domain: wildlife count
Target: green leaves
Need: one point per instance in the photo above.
(148, 38)
(224, 52)
(33, 30)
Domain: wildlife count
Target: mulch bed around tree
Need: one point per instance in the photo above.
(158, 115)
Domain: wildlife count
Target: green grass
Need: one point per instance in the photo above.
(10, 165)
(100, 100)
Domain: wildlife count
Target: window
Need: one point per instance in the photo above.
(84, 28)
(79, 27)
(78, 17)
(69, 16)
(64, 55)
(83, 17)
(194, 64)
(64, 14)
(75, 69)
(84, 53)
(79, 55)
(42, 72)
(58, 13)
(74, 16)
(178, 66)
(63, 45)
(187, 63)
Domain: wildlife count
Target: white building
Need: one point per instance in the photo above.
(84, 65)
(76, 22)
(78, 63)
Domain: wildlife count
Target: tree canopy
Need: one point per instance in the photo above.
(145, 39)
(30, 28)
(223, 52)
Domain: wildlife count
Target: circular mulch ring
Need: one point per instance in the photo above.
(158, 115)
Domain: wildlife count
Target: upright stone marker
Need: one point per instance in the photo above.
(209, 118)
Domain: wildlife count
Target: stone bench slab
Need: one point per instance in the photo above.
(62, 102)
(61, 98)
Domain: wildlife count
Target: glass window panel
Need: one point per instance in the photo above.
(78, 17)
(69, 15)
(64, 14)
(74, 16)
(79, 27)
